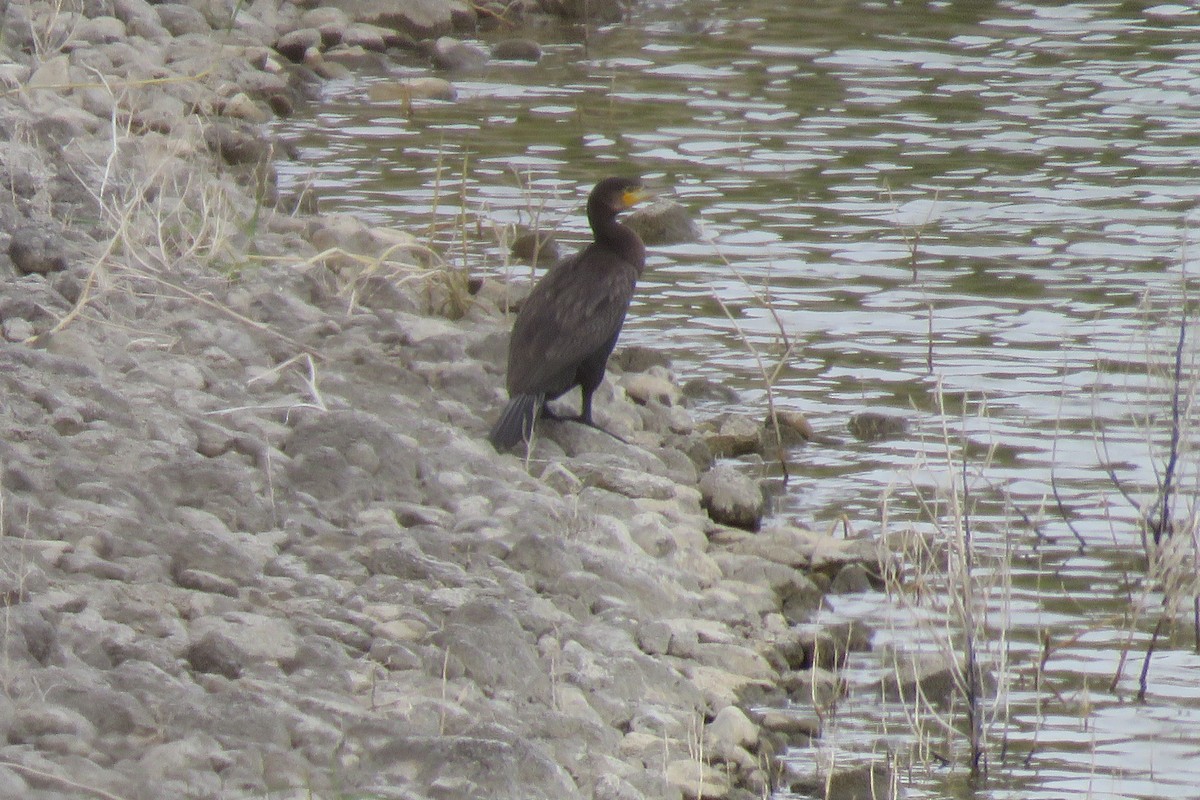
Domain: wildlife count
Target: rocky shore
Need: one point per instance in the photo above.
(254, 543)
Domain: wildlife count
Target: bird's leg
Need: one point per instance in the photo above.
(585, 411)
(593, 425)
(585, 416)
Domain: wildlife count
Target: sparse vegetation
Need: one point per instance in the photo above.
(1169, 517)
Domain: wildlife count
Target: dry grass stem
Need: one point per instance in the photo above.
(770, 376)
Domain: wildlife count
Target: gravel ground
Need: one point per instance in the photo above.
(254, 543)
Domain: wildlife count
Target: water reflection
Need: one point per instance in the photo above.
(983, 201)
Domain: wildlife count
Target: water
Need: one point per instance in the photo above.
(971, 214)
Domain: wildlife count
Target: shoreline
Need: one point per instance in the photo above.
(254, 540)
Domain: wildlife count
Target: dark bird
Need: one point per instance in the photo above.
(570, 322)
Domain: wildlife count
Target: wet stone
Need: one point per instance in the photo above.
(852, 579)
(794, 427)
(295, 43)
(454, 55)
(875, 426)
(535, 247)
(663, 222)
(732, 498)
(517, 50)
(735, 435)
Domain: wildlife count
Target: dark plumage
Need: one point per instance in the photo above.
(570, 322)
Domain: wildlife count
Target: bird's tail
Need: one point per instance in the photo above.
(516, 422)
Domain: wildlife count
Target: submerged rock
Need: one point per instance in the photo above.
(794, 427)
(876, 426)
(425, 88)
(538, 248)
(517, 50)
(455, 56)
(734, 435)
(663, 222)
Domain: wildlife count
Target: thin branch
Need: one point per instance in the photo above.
(769, 377)
(104, 84)
(1143, 678)
(1164, 524)
(1062, 509)
(61, 780)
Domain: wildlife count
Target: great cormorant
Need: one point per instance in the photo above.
(570, 322)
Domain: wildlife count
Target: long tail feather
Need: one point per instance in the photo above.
(516, 421)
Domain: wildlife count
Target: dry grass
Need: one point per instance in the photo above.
(770, 366)
(958, 596)
(1167, 595)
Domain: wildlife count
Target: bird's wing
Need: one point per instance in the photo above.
(573, 312)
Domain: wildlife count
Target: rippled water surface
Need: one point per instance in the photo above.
(973, 215)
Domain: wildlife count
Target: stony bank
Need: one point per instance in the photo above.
(254, 543)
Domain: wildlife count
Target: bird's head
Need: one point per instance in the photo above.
(618, 194)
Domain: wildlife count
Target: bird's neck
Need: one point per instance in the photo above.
(616, 237)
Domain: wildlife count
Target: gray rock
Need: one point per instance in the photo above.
(663, 222)
(129, 11)
(101, 30)
(789, 427)
(295, 44)
(597, 10)
(423, 19)
(932, 677)
(852, 579)
(502, 766)
(734, 435)
(536, 248)
(788, 583)
(35, 722)
(495, 651)
(180, 20)
(37, 250)
(875, 426)
(11, 782)
(455, 56)
(848, 782)
(329, 20)
(732, 498)
(648, 387)
(731, 727)
(791, 722)
(371, 38)
(696, 780)
(53, 74)
(237, 143)
(517, 50)
(706, 389)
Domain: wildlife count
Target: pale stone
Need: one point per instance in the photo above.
(697, 781)
(732, 726)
